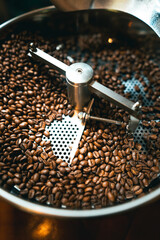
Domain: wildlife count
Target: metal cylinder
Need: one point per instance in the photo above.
(78, 76)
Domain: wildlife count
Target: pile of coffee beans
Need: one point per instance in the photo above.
(109, 167)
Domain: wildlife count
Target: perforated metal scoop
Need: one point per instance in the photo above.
(65, 135)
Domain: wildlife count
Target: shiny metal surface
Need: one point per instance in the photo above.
(84, 116)
(18, 225)
(65, 213)
(47, 59)
(113, 97)
(146, 10)
(134, 122)
(65, 136)
(46, 20)
(77, 84)
(70, 5)
(78, 77)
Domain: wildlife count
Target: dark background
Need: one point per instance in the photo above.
(12, 8)
(140, 224)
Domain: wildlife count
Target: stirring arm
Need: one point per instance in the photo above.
(47, 59)
(106, 93)
(93, 86)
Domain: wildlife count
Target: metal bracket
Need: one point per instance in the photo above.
(80, 85)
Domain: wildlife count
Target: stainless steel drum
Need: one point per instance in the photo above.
(118, 25)
(147, 11)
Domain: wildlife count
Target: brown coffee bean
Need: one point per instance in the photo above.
(107, 168)
(44, 155)
(129, 195)
(96, 154)
(16, 181)
(38, 140)
(134, 171)
(30, 92)
(23, 125)
(108, 165)
(153, 137)
(91, 162)
(86, 199)
(90, 155)
(84, 163)
(139, 191)
(86, 132)
(80, 157)
(31, 194)
(36, 177)
(38, 134)
(42, 199)
(105, 184)
(111, 197)
(155, 169)
(111, 174)
(44, 171)
(47, 133)
(136, 87)
(83, 150)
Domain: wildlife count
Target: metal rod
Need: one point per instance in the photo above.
(90, 106)
(106, 93)
(84, 120)
(47, 59)
(85, 116)
(104, 120)
(79, 91)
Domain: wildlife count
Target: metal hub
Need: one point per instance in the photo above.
(78, 77)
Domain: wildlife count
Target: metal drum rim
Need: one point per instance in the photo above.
(68, 213)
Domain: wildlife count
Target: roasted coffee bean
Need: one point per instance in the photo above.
(90, 155)
(108, 166)
(46, 133)
(80, 157)
(153, 137)
(36, 177)
(44, 155)
(23, 125)
(83, 150)
(31, 194)
(38, 139)
(111, 196)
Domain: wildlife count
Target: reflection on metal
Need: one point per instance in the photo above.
(50, 22)
(133, 123)
(84, 116)
(43, 229)
(130, 24)
(115, 98)
(79, 84)
(47, 59)
(110, 40)
(65, 136)
(67, 5)
(146, 10)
